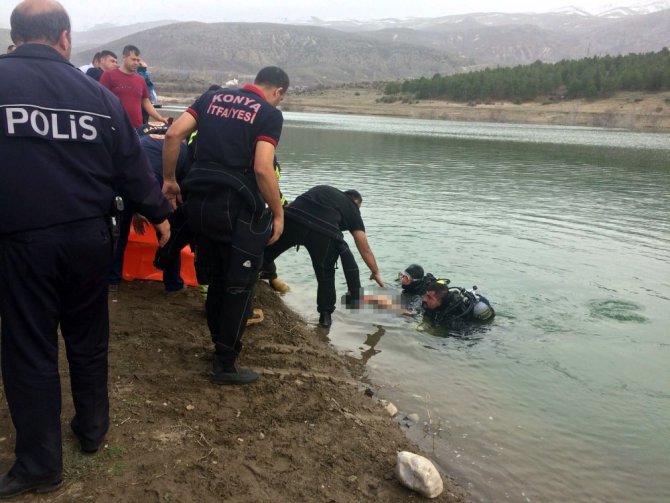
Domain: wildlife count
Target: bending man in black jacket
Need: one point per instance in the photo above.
(316, 220)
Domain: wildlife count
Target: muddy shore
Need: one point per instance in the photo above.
(306, 431)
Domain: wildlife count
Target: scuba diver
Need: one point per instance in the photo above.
(413, 280)
(439, 305)
(456, 306)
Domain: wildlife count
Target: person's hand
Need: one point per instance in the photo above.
(277, 229)
(378, 278)
(138, 224)
(172, 193)
(164, 120)
(163, 232)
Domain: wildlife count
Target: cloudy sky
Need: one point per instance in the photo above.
(87, 13)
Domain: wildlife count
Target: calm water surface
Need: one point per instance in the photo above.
(566, 396)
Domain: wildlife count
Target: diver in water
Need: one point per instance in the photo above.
(454, 307)
(414, 281)
(439, 305)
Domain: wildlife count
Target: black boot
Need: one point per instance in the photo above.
(88, 446)
(325, 320)
(229, 373)
(11, 486)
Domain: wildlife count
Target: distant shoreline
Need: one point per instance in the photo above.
(631, 111)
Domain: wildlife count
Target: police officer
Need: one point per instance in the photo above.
(67, 147)
(226, 191)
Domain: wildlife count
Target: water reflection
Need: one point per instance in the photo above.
(371, 342)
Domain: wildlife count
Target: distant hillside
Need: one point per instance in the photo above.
(511, 39)
(311, 55)
(596, 77)
(188, 56)
(85, 40)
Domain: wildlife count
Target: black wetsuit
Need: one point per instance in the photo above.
(224, 207)
(458, 309)
(418, 286)
(412, 293)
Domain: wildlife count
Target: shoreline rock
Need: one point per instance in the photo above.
(419, 474)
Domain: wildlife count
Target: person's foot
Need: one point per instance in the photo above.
(11, 486)
(325, 320)
(231, 374)
(279, 286)
(87, 446)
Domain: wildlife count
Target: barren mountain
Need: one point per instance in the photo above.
(318, 52)
(511, 39)
(311, 55)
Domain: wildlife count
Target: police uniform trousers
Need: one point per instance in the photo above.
(324, 252)
(49, 278)
(230, 240)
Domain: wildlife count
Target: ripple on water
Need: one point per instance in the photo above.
(619, 310)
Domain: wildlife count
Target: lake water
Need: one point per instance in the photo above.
(566, 396)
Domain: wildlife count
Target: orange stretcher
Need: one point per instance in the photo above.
(139, 256)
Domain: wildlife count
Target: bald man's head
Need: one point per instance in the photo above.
(39, 21)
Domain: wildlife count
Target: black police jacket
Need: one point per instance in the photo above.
(67, 146)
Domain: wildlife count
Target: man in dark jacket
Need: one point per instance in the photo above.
(316, 220)
(67, 148)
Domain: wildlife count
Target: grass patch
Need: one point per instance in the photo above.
(77, 466)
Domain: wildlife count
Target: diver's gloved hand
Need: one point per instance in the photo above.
(278, 285)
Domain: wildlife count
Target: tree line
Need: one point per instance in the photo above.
(592, 78)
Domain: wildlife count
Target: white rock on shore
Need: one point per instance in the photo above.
(418, 474)
(391, 409)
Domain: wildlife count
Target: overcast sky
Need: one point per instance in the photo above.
(87, 13)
